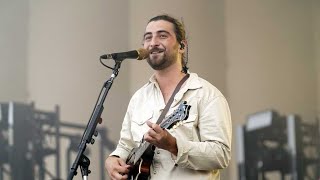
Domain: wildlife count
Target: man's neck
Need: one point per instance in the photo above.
(169, 78)
(168, 81)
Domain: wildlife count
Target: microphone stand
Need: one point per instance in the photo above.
(82, 160)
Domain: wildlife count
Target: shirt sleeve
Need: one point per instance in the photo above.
(213, 151)
(126, 143)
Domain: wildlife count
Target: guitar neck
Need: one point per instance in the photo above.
(137, 153)
(141, 150)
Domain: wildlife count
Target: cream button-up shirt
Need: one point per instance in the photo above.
(203, 139)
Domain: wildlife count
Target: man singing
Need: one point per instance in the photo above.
(200, 146)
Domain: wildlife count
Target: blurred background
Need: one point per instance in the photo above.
(263, 55)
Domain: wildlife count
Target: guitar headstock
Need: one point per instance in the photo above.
(177, 117)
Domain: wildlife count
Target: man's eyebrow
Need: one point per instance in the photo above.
(147, 33)
(162, 31)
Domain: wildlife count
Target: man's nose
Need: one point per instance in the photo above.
(154, 42)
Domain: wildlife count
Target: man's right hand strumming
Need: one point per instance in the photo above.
(117, 168)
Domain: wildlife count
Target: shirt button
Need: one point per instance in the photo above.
(154, 172)
(158, 152)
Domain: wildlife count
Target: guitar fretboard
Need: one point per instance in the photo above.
(141, 149)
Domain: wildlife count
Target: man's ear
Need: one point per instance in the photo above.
(183, 45)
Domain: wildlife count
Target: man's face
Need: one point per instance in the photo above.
(160, 40)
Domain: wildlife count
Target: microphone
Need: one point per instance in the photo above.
(135, 54)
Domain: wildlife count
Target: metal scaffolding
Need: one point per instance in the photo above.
(29, 135)
(270, 143)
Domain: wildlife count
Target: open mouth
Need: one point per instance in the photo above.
(156, 51)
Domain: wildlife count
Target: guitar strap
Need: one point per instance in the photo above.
(166, 108)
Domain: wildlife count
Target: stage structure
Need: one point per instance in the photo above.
(29, 135)
(270, 145)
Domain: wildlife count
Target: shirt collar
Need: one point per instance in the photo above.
(192, 82)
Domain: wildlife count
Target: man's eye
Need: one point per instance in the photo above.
(162, 36)
(147, 38)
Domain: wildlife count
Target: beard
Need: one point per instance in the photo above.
(161, 61)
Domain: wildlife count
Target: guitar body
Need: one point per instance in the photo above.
(141, 169)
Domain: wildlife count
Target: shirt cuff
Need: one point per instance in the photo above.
(122, 153)
(182, 155)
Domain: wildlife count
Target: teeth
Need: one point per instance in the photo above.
(156, 51)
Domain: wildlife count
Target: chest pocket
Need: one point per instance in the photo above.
(139, 126)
